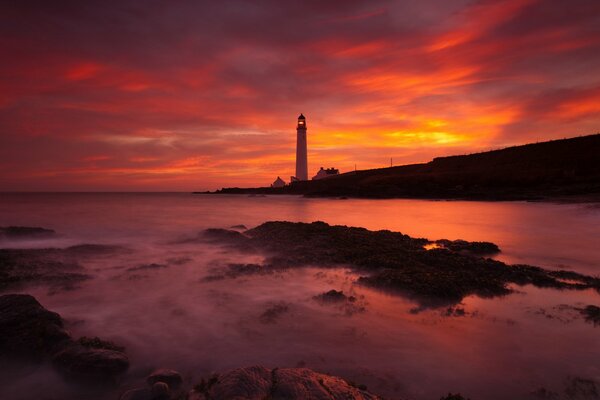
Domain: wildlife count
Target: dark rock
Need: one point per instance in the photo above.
(160, 391)
(451, 396)
(57, 268)
(138, 394)
(147, 266)
(18, 232)
(582, 388)
(239, 227)
(20, 267)
(97, 343)
(258, 383)
(29, 330)
(348, 305)
(93, 250)
(274, 312)
(396, 262)
(591, 314)
(462, 246)
(168, 376)
(332, 296)
(78, 361)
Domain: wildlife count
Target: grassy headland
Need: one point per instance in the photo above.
(566, 169)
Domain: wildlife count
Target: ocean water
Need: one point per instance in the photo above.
(172, 317)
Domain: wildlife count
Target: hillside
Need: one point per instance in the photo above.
(563, 168)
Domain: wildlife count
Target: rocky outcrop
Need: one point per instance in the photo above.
(79, 362)
(258, 383)
(395, 262)
(163, 384)
(168, 376)
(462, 246)
(591, 314)
(29, 331)
(25, 232)
(54, 267)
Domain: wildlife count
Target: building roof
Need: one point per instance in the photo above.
(301, 116)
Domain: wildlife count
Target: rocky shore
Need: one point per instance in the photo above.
(432, 273)
(29, 331)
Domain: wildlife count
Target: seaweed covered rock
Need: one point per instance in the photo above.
(78, 361)
(27, 329)
(168, 376)
(25, 232)
(591, 314)
(462, 246)
(257, 383)
(56, 268)
(332, 296)
(397, 262)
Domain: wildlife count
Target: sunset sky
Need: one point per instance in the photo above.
(191, 95)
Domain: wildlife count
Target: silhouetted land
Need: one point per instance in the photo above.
(567, 169)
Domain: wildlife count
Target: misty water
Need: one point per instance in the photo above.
(172, 317)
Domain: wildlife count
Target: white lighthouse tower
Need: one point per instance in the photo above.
(301, 154)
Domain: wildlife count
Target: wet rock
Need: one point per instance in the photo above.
(451, 396)
(333, 296)
(147, 266)
(27, 329)
(591, 314)
(274, 312)
(398, 263)
(138, 394)
(348, 305)
(78, 361)
(462, 246)
(160, 391)
(19, 267)
(82, 250)
(171, 377)
(257, 383)
(454, 312)
(582, 388)
(57, 268)
(23, 232)
(97, 343)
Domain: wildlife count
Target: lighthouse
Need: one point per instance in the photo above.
(301, 154)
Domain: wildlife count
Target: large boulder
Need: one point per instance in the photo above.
(257, 383)
(78, 361)
(27, 329)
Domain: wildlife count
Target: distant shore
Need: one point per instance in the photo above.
(564, 171)
(575, 199)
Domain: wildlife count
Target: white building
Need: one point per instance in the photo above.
(278, 183)
(325, 173)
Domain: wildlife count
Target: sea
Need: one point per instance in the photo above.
(525, 345)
